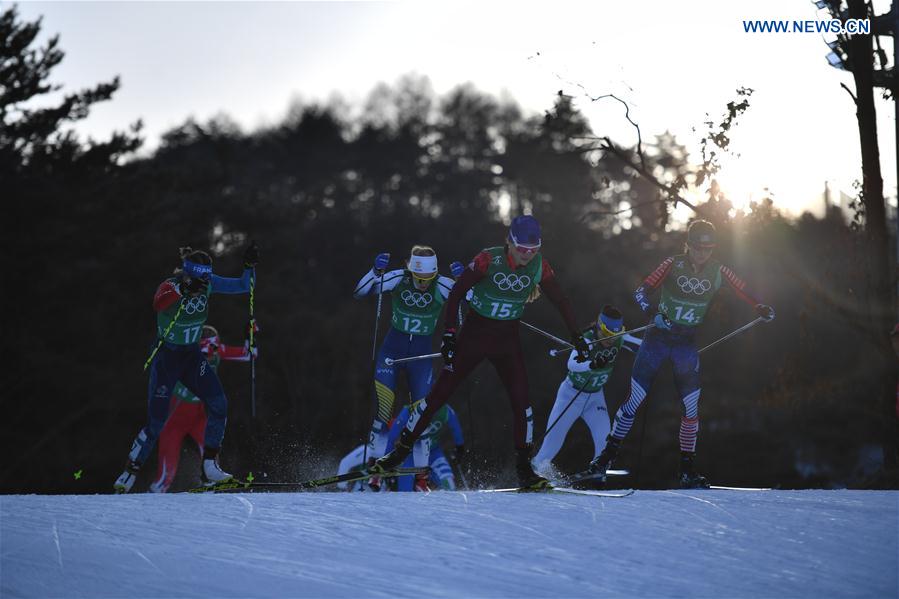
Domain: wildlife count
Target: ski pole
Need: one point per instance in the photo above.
(561, 351)
(559, 417)
(252, 345)
(745, 327)
(391, 361)
(462, 479)
(374, 357)
(545, 334)
(164, 335)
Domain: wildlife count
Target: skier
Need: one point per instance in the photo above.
(181, 305)
(502, 280)
(418, 295)
(581, 393)
(187, 417)
(688, 282)
(427, 449)
(441, 474)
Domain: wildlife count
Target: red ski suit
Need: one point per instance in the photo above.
(494, 340)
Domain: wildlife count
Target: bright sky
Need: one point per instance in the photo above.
(672, 61)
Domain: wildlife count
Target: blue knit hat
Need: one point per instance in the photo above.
(525, 230)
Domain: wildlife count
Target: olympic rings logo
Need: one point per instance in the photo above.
(693, 285)
(609, 354)
(415, 299)
(195, 304)
(511, 281)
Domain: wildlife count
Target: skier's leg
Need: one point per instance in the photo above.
(200, 378)
(406, 483)
(552, 441)
(469, 353)
(198, 425)
(385, 388)
(350, 461)
(513, 374)
(420, 375)
(653, 352)
(169, 447)
(420, 457)
(441, 472)
(509, 364)
(596, 415)
(687, 381)
(468, 356)
(165, 371)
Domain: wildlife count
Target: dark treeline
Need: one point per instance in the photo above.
(91, 235)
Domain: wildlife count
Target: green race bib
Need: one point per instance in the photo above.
(501, 295)
(685, 294)
(416, 312)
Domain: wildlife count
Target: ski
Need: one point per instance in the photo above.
(251, 484)
(588, 492)
(585, 476)
(721, 488)
(593, 493)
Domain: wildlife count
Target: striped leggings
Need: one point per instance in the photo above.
(657, 347)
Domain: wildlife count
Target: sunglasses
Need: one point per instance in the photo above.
(418, 277)
(526, 250)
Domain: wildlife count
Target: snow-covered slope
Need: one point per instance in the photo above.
(654, 543)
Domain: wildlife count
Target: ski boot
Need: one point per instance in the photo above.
(393, 459)
(126, 479)
(528, 480)
(211, 473)
(689, 478)
(421, 483)
(373, 483)
(595, 474)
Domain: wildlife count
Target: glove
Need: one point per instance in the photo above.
(662, 322)
(598, 361)
(448, 346)
(251, 255)
(381, 261)
(581, 347)
(456, 269)
(459, 456)
(766, 312)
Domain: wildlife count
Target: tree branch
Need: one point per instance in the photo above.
(849, 91)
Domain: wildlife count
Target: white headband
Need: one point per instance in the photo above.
(423, 265)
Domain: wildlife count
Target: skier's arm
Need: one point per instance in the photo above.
(166, 295)
(397, 428)
(738, 285)
(444, 286)
(232, 285)
(371, 282)
(631, 343)
(455, 426)
(550, 286)
(650, 283)
(474, 272)
(237, 353)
